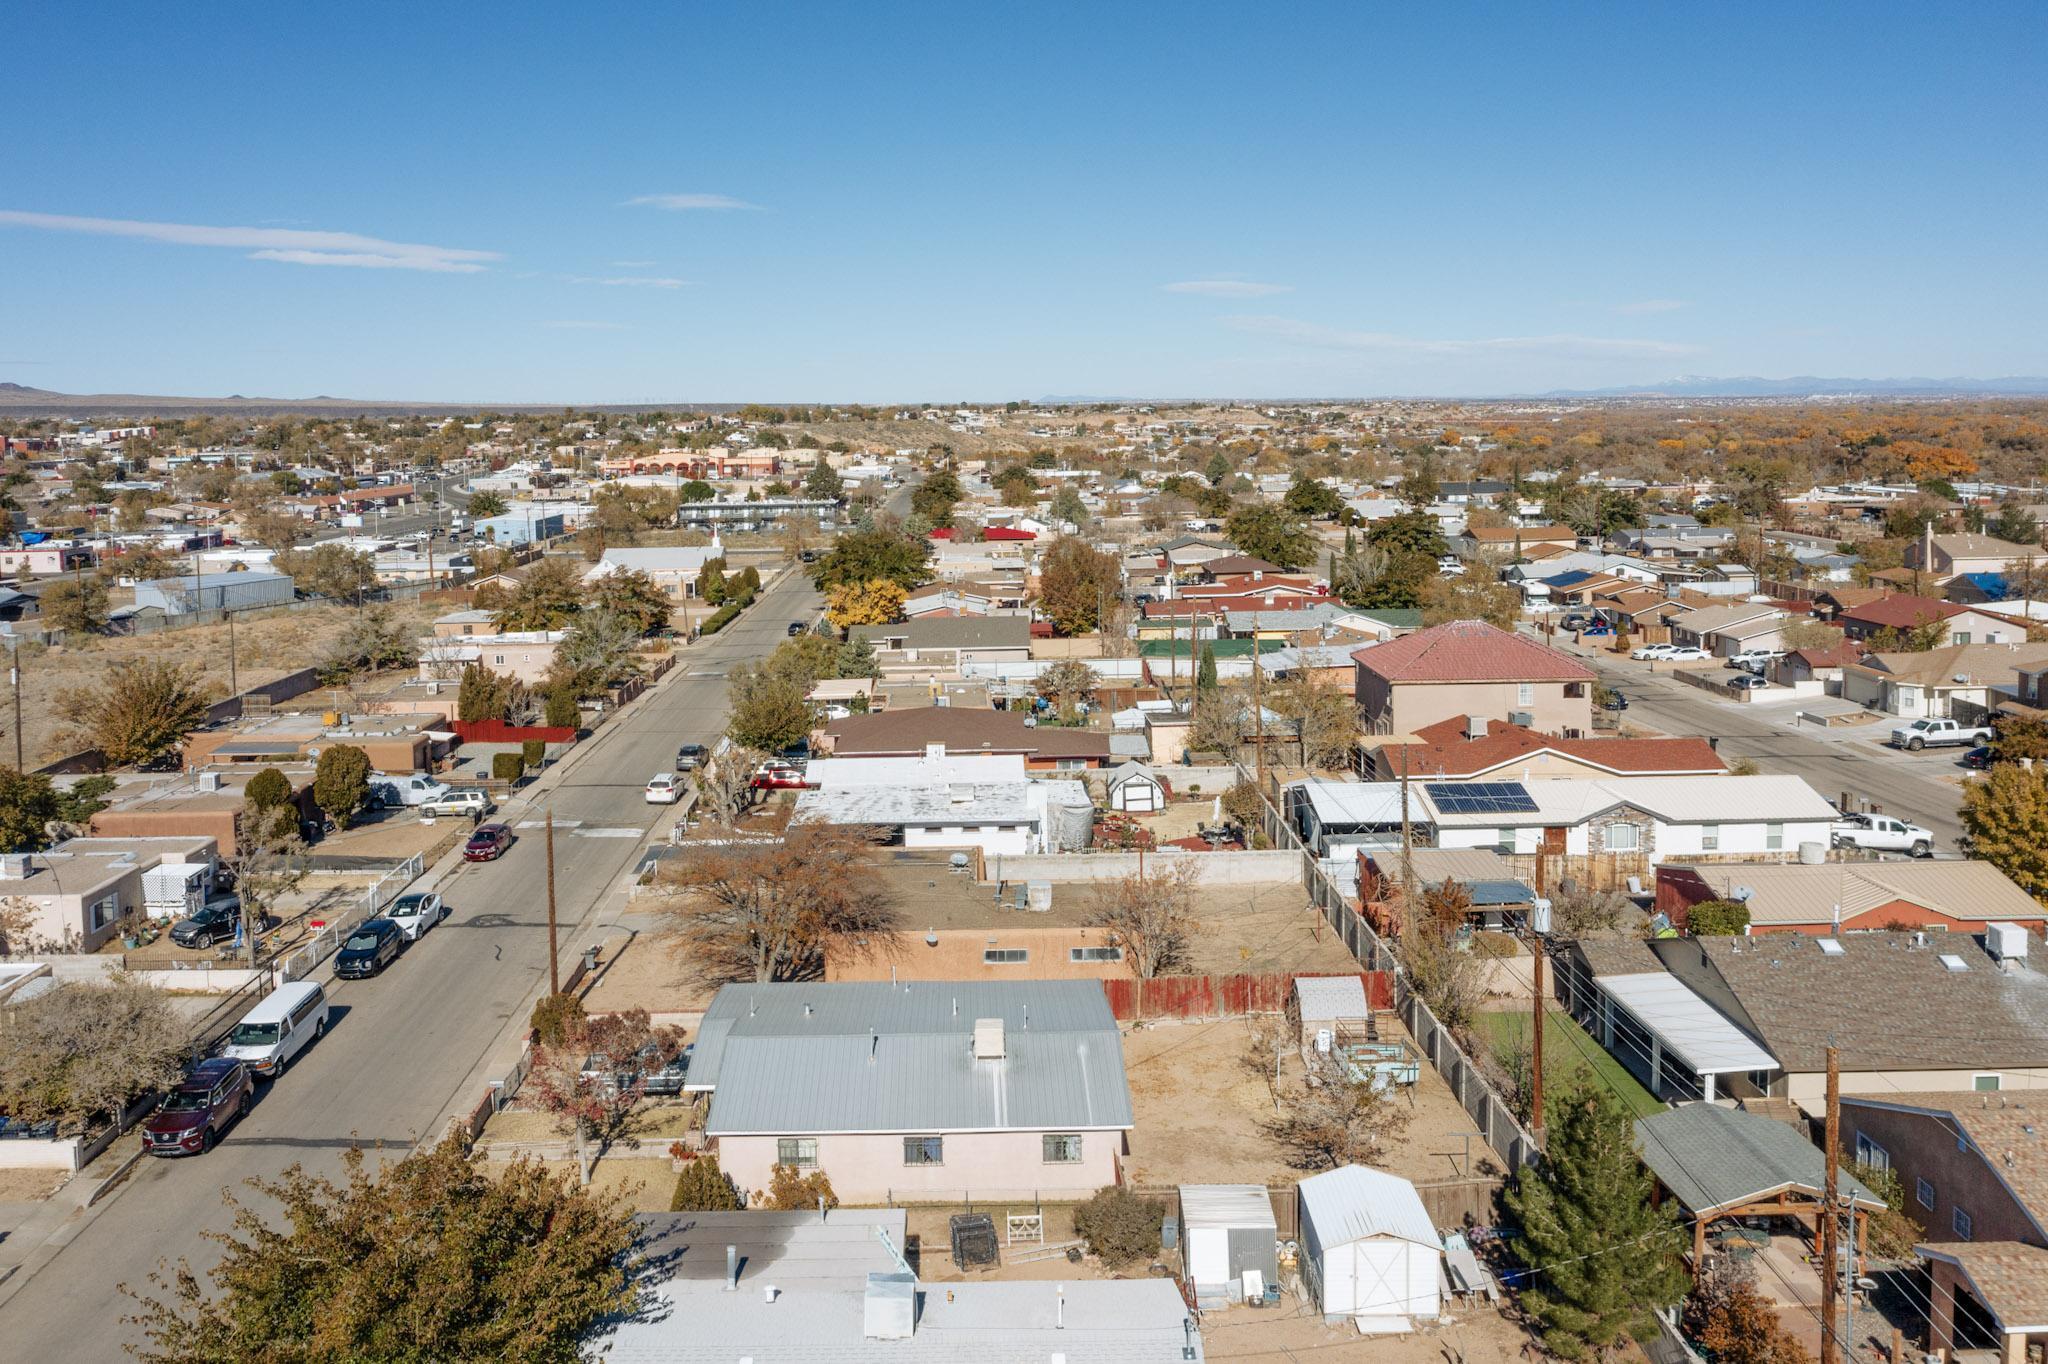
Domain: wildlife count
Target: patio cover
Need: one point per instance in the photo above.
(1714, 1159)
(1686, 1025)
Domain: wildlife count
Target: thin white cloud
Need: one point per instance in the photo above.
(1556, 344)
(631, 264)
(1643, 307)
(629, 281)
(577, 324)
(1227, 288)
(291, 245)
(678, 203)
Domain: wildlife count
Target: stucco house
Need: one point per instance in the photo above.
(989, 1088)
(78, 891)
(1467, 667)
(1820, 900)
(1960, 679)
(1949, 556)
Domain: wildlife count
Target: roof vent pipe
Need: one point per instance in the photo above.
(732, 1268)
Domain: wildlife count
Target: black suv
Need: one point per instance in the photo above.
(373, 946)
(209, 925)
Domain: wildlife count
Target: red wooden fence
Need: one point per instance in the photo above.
(498, 732)
(1223, 996)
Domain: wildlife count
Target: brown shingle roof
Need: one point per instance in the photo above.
(904, 733)
(2000, 1125)
(2011, 1277)
(1902, 612)
(1469, 651)
(1446, 752)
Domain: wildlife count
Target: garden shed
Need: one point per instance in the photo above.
(1369, 1251)
(1228, 1229)
(1133, 787)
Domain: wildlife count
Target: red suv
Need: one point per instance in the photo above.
(218, 1091)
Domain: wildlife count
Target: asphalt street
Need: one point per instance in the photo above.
(404, 1048)
(1917, 787)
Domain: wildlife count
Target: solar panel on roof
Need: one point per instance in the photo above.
(1481, 798)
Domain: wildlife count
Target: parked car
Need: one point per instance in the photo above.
(1684, 656)
(199, 1108)
(468, 801)
(487, 844)
(415, 914)
(690, 757)
(1651, 651)
(664, 788)
(413, 790)
(1980, 758)
(777, 777)
(797, 627)
(1616, 700)
(1574, 621)
(1939, 734)
(664, 1077)
(1451, 566)
(1881, 833)
(1747, 682)
(374, 945)
(279, 1027)
(1598, 628)
(211, 923)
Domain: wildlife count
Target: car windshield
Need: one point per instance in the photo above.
(253, 1035)
(407, 906)
(361, 942)
(186, 1101)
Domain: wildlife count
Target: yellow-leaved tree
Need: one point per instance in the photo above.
(874, 602)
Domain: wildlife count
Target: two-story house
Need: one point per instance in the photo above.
(1469, 668)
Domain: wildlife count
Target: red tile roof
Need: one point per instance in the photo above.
(1008, 533)
(1469, 651)
(1903, 612)
(1446, 751)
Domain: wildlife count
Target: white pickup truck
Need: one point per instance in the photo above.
(413, 790)
(1939, 734)
(1881, 833)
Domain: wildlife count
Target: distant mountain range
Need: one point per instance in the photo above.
(1807, 385)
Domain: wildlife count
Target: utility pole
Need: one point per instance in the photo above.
(1258, 710)
(1407, 848)
(554, 967)
(1830, 1244)
(14, 676)
(234, 687)
(1536, 1033)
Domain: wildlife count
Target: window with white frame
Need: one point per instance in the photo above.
(1062, 1148)
(1959, 1222)
(1924, 1193)
(1623, 838)
(1525, 693)
(1774, 838)
(103, 911)
(1081, 954)
(1710, 838)
(801, 1152)
(924, 1150)
(1985, 1084)
(1005, 956)
(1870, 1153)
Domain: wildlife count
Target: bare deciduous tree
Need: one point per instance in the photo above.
(767, 911)
(1335, 1120)
(1150, 914)
(725, 784)
(1450, 979)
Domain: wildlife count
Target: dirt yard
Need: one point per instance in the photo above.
(641, 971)
(1294, 1334)
(1267, 927)
(267, 646)
(30, 1186)
(1202, 1113)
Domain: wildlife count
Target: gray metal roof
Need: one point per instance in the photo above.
(1356, 1203)
(1712, 1157)
(860, 1056)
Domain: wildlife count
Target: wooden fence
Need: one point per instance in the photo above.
(1223, 996)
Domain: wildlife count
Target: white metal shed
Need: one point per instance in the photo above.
(1227, 1229)
(1133, 787)
(1368, 1249)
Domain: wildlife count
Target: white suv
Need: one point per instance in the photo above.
(468, 801)
(664, 788)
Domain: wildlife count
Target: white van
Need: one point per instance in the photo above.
(275, 1031)
(413, 790)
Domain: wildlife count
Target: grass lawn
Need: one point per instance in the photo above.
(1570, 1055)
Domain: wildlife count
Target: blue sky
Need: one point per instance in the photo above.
(731, 202)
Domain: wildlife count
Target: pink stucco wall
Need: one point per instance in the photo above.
(868, 1167)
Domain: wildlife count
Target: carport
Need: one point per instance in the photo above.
(1672, 1040)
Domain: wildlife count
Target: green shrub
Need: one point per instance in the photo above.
(533, 750)
(1717, 918)
(1119, 1226)
(507, 766)
(556, 1019)
(341, 783)
(268, 788)
(703, 1187)
(561, 711)
(722, 617)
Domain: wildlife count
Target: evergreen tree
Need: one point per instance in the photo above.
(1205, 675)
(1601, 1254)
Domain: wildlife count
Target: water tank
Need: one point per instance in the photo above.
(1812, 854)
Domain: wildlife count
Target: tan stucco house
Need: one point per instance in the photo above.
(1469, 668)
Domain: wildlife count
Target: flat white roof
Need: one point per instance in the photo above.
(1685, 1024)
